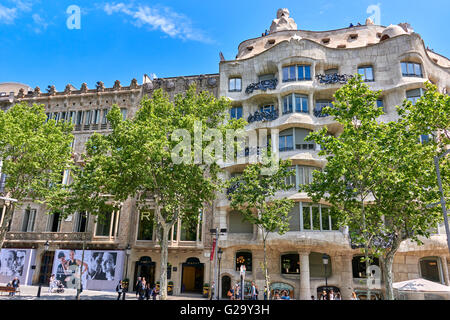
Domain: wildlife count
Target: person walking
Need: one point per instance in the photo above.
(119, 290)
(213, 291)
(354, 297)
(253, 292)
(265, 292)
(138, 284)
(148, 291)
(51, 283)
(16, 284)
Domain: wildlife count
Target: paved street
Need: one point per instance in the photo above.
(30, 292)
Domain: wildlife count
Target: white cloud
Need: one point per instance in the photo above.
(40, 23)
(173, 24)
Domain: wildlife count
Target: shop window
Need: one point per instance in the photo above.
(244, 258)
(290, 264)
(359, 266)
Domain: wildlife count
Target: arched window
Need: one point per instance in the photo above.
(316, 266)
(290, 263)
(244, 258)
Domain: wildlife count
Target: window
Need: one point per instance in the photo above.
(107, 224)
(380, 104)
(236, 113)
(294, 221)
(304, 72)
(104, 119)
(80, 222)
(320, 104)
(244, 258)
(96, 116)
(72, 116)
(146, 225)
(267, 108)
(331, 71)
(123, 111)
(414, 95)
(316, 266)
(88, 118)
(430, 269)
(305, 174)
(300, 136)
(424, 138)
(28, 220)
(366, 73)
(290, 264)
(79, 118)
(54, 222)
(297, 73)
(411, 69)
(235, 84)
(286, 143)
(318, 217)
(289, 73)
(236, 224)
(189, 230)
(264, 77)
(359, 266)
(295, 101)
(290, 181)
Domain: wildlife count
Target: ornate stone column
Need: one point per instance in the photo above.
(305, 286)
(445, 270)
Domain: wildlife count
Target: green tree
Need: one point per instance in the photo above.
(135, 161)
(34, 155)
(377, 176)
(253, 194)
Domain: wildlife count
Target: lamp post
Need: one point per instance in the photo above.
(46, 246)
(325, 263)
(128, 253)
(219, 257)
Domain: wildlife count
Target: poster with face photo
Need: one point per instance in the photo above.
(15, 263)
(100, 269)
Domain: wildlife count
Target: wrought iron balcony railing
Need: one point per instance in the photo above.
(262, 85)
(333, 78)
(263, 116)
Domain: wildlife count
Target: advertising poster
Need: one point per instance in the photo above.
(16, 263)
(100, 270)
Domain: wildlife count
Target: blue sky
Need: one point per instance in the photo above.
(121, 40)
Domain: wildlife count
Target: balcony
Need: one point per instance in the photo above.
(263, 116)
(263, 85)
(50, 236)
(333, 78)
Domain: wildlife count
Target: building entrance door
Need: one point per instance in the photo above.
(225, 286)
(192, 276)
(145, 268)
(45, 270)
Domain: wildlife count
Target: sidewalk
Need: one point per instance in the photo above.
(30, 292)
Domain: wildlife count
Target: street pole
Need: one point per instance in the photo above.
(80, 284)
(444, 209)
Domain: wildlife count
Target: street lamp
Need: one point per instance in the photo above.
(219, 256)
(128, 253)
(325, 263)
(46, 246)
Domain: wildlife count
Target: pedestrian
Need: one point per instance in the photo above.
(51, 283)
(148, 291)
(119, 290)
(213, 289)
(312, 298)
(323, 296)
(155, 292)
(230, 294)
(331, 296)
(138, 284)
(265, 292)
(237, 291)
(354, 296)
(16, 284)
(253, 294)
(338, 296)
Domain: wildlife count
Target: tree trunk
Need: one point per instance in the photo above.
(164, 257)
(387, 261)
(368, 273)
(266, 272)
(6, 220)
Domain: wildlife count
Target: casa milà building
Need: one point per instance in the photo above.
(280, 80)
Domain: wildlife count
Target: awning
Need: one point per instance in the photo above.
(420, 285)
